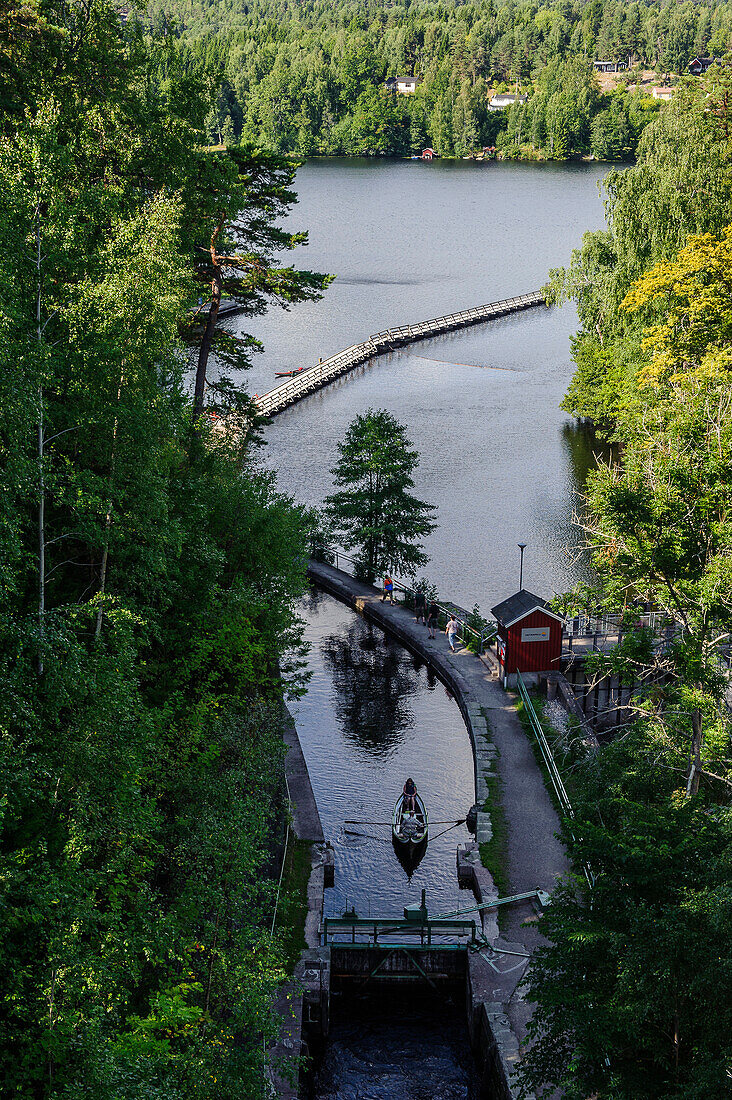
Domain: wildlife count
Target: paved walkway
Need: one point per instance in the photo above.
(535, 855)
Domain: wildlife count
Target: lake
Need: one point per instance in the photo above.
(412, 240)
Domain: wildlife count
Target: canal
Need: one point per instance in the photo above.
(502, 463)
(374, 715)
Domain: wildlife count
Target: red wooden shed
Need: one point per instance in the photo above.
(529, 635)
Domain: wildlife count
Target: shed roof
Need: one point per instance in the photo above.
(520, 605)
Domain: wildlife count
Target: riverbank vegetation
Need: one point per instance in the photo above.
(148, 576)
(634, 992)
(309, 79)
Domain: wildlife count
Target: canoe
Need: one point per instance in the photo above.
(287, 373)
(409, 830)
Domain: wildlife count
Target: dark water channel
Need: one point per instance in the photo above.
(410, 1048)
(502, 463)
(372, 716)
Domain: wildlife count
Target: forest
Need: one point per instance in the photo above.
(634, 989)
(148, 578)
(308, 78)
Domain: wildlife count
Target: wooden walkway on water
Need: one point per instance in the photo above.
(309, 379)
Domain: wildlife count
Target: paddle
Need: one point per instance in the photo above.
(452, 821)
(369, 836)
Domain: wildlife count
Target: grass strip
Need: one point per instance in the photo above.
(494, 852)
(294, 900)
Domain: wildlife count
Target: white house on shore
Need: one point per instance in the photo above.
(610, 66)
(500, 102)
(403, 85)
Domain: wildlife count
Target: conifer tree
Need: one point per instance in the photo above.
(374, 511)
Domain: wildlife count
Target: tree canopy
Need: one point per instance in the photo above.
(373, 510)
(309, 79)
(633, 993)
(147, 632)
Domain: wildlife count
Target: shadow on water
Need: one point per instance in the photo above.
(372, 682)
(409, 1046)
(583, 448)
(409, 858)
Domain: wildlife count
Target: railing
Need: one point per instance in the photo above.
(550, 762)
(583, 626)
(479, 638)
(312, 378)
(369, 932)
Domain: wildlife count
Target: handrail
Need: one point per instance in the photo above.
(374, 927)
(551, 764)
(311, 378)
(482, 637)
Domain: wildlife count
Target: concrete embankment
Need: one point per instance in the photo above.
(308, 992)
(534, 855)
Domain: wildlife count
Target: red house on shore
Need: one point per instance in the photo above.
(529, 636)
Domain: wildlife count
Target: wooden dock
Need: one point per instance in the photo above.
(313, 378)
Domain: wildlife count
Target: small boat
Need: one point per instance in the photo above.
(409, 829)
(287, 373)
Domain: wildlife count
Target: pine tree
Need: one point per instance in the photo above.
(374, 511)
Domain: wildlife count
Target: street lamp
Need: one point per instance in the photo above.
(522, 547)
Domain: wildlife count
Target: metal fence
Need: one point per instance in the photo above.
(548, 756)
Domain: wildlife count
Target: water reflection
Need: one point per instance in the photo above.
(583, 448)
(409, 857)
(372, 681)
(373, 715)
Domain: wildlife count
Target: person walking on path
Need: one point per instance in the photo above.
(420, 606)
(388, 589)
(451, 630)
(432, 613)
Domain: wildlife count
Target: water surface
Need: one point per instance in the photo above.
(374, 715)
(410, 241)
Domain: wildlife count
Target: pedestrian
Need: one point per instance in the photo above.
(388, 589)
(432, 613)
(451, 630)
(420, 606)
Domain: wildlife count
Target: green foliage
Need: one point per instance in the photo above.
(681, 186)
(633, 993)
(374, 511)
(233, 200)
(634, 989)
(310, 79)
(146, 587)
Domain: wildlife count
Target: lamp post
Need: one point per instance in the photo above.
(522, 547)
